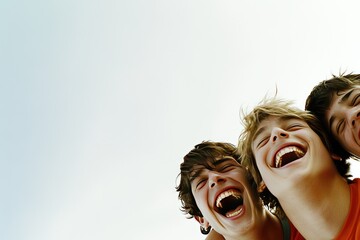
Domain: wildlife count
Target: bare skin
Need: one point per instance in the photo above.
(314, 196)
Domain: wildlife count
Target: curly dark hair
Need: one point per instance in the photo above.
(204, 154)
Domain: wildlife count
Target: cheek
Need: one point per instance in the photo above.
(262, 167)
(197, 197)
(200, 198)
(348, 136)
(260, 157)
(348, 142)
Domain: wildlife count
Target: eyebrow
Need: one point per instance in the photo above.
(343, 99)
(195, 173)
(224, 159)
(346, 96)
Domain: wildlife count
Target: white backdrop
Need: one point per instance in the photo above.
(101, 99)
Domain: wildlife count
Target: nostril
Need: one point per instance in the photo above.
(353, 122)
(212, 185)
(358, 114)
(274, 138)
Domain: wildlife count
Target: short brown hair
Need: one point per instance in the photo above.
(203, 154)
(319, 100)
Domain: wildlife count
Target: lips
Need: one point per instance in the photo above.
(229, 203)
(287, 155)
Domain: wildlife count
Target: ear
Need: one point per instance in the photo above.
(203, 222)
(335, 157)
(261, 187)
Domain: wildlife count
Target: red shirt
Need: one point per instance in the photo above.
(295, 235)
(351, 228)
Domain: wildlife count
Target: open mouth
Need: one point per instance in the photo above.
(229, 203)
(287, 155)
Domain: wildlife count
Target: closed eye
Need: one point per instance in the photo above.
(263, 142)
(294, 127)
(226, 168)
(200, 183)
(356, 100)
(339, 126)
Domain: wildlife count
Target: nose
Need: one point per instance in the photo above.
(214, 179)
(277, 133)
(353, 116)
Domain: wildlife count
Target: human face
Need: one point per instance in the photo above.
(343, 119)
(288, 153)
(225, 197)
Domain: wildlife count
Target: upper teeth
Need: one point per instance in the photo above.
(225, 194)
(283, 151)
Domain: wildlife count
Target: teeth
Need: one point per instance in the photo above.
(225, 194)
(233, 213)
(278, 160)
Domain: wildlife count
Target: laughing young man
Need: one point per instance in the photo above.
(219, 193)
(286, 150)
(336, 103)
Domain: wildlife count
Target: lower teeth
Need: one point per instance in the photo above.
(233, 213)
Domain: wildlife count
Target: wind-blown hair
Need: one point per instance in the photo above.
(283, 110)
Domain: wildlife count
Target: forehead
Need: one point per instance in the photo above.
(340, 99)
(211, 165)
(343, 95)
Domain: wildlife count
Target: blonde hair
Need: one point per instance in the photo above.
(277, 108)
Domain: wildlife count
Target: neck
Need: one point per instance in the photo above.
(268, 226)
(319, 211)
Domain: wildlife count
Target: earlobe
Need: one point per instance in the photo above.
(203, 222)
(261, 187)
(336, 157)
(204, 225)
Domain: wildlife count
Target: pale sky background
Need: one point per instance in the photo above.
(101, 99)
